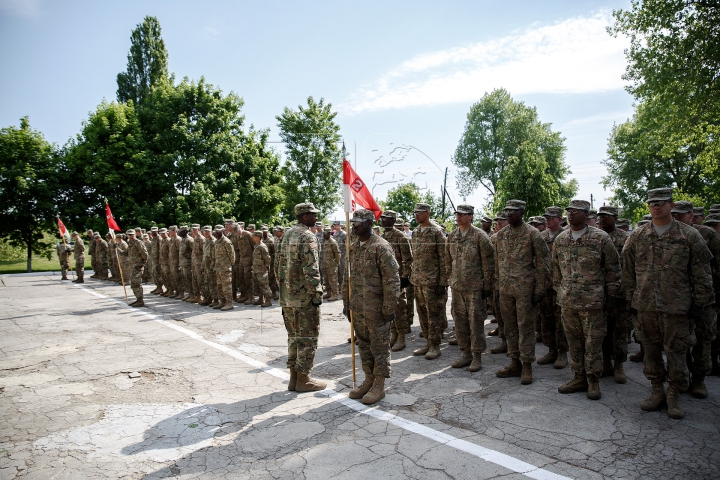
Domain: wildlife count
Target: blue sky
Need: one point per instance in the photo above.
(400, 74)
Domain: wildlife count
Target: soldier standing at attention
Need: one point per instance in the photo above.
(330, 261)
(340, 237)
(91, 252)
(245, 248)
(698, 216)
(623, 224)
(586, 275)
(705, 321)
(404, 258)
(101, 251)
(185, 249)
(521, 272)
(121, 248)
(429, 277)
(713, 221)
(268, 240)
(174, 262)
(486, 223)
(472, 275)
(500, 222)
(63, 250)
(137, 256)
(79, 255)
(224, 261)
(375, 285)
(167, 278)
(231, 232)
(112, 260)
(154, 252)
(209, 288)
(666, 276)
(617, 318)
(197, 263)
(297, 270)
(261, 263)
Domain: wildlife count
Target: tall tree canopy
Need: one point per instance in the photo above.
(402, 199)
(147, 62)
(28, 188)
(508, 151)
(313, 168)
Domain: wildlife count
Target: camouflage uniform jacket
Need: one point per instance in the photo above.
(521, 259)
(79, 248)
(669, 273)
(549, 238)
(586, 269)
(331, 256)
(101, 249)
(122, 250)
(154, 249)
(245, 246)
(402, 249)
(712, 240)
(297, 267)
(174, 255)
(63, 250)
(472, 260)
(164, 250)
(618, 238)
(185, 250)
(341, 237)
(91, 248)
(137, 253)
(224, 254)
(198, 250)
(429, 257)
(374, 277)
(261, 259)
(209, 255)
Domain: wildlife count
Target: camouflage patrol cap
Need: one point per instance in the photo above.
(647, 216)
(362, 215)
(682, 206)
(183, 228)
(336, 222)
(622, 222)
(219, 227)
(137, 229)
(713, 218)
(257, 233)
(207, 228)
(97, 235)
(578, 204)
(264, 228)
(406, 224)
(485, 218)
(145, 236)
(715, 208)
(108, 235)
(172, 228)
(195, 225)
(154, 229)
(251, 227)
(389, 214)
(553, 212)
(327, 230)
(466, 209)
(130, 232)
(657, 194)
(592, 213)
(500, 217)
(163, 230)
(422, 207)
(229, 220)
(307, 207)
(608, 210)
(539, 220)
(515, 205)
(398, 224)
(699, 211)
(242, 224)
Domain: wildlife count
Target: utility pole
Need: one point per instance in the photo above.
(592, 199)
(444, 191)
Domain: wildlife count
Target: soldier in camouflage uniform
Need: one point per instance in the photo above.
(185, 249)
(63, 251)
(374, 282)
(174, 263)
(705, 325)
(430, 279)
(112, 259)
(245, 249)
(592, 218)
(137, 256)
(209, 288)
(167, 278)
(617, 318)
(472, 275)
(224, 261)
(340, 237)
(100, 256)
(586, 276)
(267, 239)
(297, 270)
(121, 249)
(500, 222)
(261, 264)
(154, 252)
(404, 257)
(330, 260)
(486, 223)
(623, 224)
(666, 276)
(91, 252)
(147, 272)
(79, 256)
(197, 264)
(712, 220)
(521, 272)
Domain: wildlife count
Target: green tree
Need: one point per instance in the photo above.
(403, 197)
(508, 151)
(147, 62)
(313, 168)
(28, 188)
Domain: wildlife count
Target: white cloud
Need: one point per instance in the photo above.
(22, 8)
(573, 56)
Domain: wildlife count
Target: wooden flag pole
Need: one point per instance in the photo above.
(112, 232)
(347, 278)
(72, 272)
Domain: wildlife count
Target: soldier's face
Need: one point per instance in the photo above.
(685, 218)
(463, 219)
(606, 221)
(256, 239)
(206, 235)
(387, 222)
(163, 236)
(660, 210)
(514, 216)
(422, 217)
(576, 217)
(361, 228)
(591, 221)
(698, 219)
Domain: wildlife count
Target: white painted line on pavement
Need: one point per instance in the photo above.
(473, 449)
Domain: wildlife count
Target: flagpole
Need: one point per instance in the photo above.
(117, 258)
(72, 272)
(347, 277)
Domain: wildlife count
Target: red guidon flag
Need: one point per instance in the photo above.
(112, 225)
(356, 192)
(63, 230)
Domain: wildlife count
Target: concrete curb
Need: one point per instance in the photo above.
(41, 274)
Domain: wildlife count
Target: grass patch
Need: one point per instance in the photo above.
(39, 264)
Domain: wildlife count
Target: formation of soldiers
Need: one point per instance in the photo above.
(579, 284)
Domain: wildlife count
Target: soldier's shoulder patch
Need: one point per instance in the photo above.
(627, 241)
(313, 245)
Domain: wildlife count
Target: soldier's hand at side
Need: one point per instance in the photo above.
(486, 294)
(317, 301)
(389, 317)
(536, 298)
(404, 282)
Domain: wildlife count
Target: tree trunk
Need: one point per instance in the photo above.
(29, 258)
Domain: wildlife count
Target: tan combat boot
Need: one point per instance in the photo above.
(593, 392)
(526, 374)
(463, 361)
(191, 299)
(363, 388)
(220, 304)
(422, 351)
(327, 294)
(562, 360)
(697, 386)
(250, 300)
(512, 370)
(579, 383)
(673, 403)
(502, 348)
(214, 303)
(656, 398)
(432, 353)
(267, 302)
(242, 298)
(259, 300)
(293, 380)
(619, 373)
(137, 304)
(333, 298)
(228, 306)
(638, 357)
(307, 384)
(476, 364)
(551, 356)
(206, 301)
(393, 338)
(276, 295)
(376, 393)
(399, 344)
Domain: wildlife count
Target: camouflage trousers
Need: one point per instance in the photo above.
(136, 274)
(372, 333)
(64, 265)
(197, 279)
(585, 330)
(410, 291)
(243, 276)
(147, 272)
(125, 274)
(551, 326)
(101, 265)
(210, 285)
(262, 282)
(80, 267)
(400, 325)
(429, 305)
(330, 280)
(518, 318)
(303, 327)
(271, 277)
(167, 278)
(224, 284)
(157, 274)
(341, 268)
(498, 314)
(184, 278)
(699, 358)
(672, 334)
(469, 310)
(618, 326)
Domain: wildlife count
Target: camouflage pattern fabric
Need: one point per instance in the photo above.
(79, 256)
(671, 334)
(618, 319)
(430, 277)
(245, 248)
(177, 280)
(168, 278)
(101, 254)
(551, 327)
(112, 260)
(341, 237)
(469, 310)
(404, 257)
(224, 260)
(121, 248)
(261, 264)
(155, 255)
(137, 257)
(91, 252)
(585, 330)
(271, 271)
(197, 265)
(185, 249)
(706, 321)
(303, 328)
(63, 250)
(210, 279)
(330, 260)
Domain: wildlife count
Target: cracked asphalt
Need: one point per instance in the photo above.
(90, 388)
